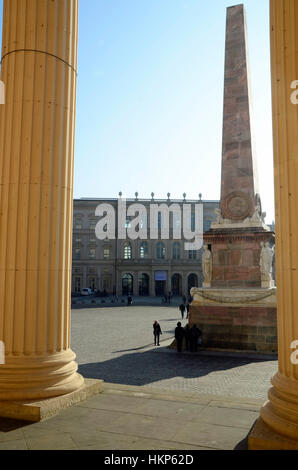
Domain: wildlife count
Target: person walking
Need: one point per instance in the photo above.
(187, 336)
(195, 334)
(156, 332)
(179, 335)
(182, 310)
(187, 311)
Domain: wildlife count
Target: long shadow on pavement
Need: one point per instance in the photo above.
(151, 366)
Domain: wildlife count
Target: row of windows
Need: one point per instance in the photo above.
(78, 223)
(143, 252)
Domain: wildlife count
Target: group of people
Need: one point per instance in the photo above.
(191, 336)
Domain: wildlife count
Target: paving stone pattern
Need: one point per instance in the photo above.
(116, 345)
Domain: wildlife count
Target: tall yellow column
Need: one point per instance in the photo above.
(39, 58)
(280, 413)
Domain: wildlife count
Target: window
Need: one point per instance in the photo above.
(193, 221)
(106, 253)
(159, 220)
(92, 224)
(176, 250)
(92, 240)
(160, 251)
(207, 225)
(77, 240)
(78, 223)
(91, 253)
(144, 250)
(77, 284)
(92, 283)
(77, 253)
(192, 254)
(127, 251)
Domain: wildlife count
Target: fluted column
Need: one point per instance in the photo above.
(39, 58)
(281, 412)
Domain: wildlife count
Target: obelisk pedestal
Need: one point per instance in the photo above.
(37, 122)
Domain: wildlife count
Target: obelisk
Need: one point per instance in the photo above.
(239, 185)
(236, 308)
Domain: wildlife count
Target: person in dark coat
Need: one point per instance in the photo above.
(179, 335)
(187, 311)
(182, 310)
(195, 334)
(187, 336)
(156, 332)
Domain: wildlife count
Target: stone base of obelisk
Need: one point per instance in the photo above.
(261, 437)
(236, 319)
(39, 410)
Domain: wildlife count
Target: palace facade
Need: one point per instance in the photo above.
(139, 267)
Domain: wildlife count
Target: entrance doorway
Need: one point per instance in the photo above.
(144, 285)
(127, 284)
(160, 288)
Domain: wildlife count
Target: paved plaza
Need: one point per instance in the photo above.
(116, 345)
(153, 398)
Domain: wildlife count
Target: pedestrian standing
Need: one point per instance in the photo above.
(187, 336)
(179, 335)
(156, 332)
(195, 334)
(182, 310)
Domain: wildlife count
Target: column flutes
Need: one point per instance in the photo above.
(281, 412)
(37, 123)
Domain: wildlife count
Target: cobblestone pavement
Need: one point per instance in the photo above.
(115, 344)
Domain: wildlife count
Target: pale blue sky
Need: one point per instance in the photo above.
(150, 97)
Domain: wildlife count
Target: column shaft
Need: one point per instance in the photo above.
(281, 412)
(39, 58)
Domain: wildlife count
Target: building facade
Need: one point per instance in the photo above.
(141, 267)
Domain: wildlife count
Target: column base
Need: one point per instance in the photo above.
(262, 437)
(38, 377)
(34, 411)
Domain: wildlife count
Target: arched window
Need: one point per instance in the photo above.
(144, 250)
(160, 251)
(176, 250)
(127, 251)
(192, 281)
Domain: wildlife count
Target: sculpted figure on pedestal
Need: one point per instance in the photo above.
(266, 259)
(219, 219)
(207, 264)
